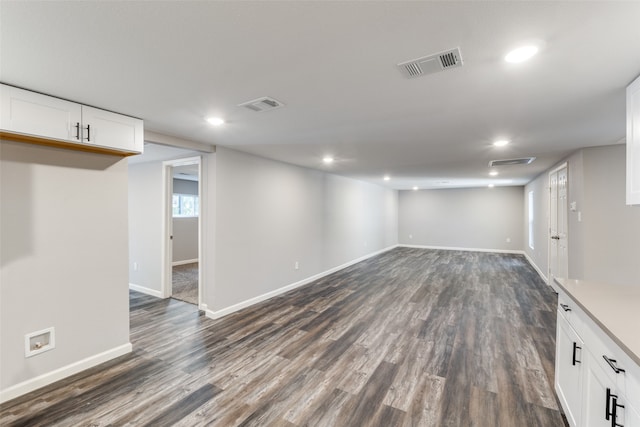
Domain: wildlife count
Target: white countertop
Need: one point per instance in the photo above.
(616, 309)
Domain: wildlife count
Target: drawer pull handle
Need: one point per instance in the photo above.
(573, 359)
(612, 408)
(77, 131)
(565, 307)
(613, 364)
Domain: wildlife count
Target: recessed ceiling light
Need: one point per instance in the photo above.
(327, 160)
(387, 178)
(491, 185)
(493, 173)
(415, 188)
(500, 142)
(215, 121)
(521, 54)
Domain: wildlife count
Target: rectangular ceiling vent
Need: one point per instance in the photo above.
(451, 58)
(509, 162)
(262, 104)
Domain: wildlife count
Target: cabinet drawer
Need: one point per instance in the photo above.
(611, 358)
(570, 311)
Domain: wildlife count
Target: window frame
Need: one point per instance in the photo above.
(181, 197)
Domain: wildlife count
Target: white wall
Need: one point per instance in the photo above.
(611, 229)
(64, 261)
(183, 186)
(185, 230)
(145, 226)
(185, 239)
(268, 215)
(603, 247)
(470, 218)
(538, 255)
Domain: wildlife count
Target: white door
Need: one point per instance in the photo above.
(558, 226)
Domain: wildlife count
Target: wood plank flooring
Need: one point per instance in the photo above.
(412, 337)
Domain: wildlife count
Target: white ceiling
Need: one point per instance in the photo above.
(334, 66)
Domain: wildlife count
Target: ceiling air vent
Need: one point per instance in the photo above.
(508, 162)
(432, 63)
(262, 104)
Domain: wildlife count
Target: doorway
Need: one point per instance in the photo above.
(558, 224)
(182, 277)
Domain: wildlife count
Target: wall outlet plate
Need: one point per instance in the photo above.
(39, 342)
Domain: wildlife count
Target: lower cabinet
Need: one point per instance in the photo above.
(596, 382)
(569, 370)
(602, 404)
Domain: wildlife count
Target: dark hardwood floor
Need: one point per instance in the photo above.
(411, 337)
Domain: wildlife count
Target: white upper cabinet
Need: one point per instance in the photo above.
(36, 114)
(633, 143)
(104, 128)
(36, 118)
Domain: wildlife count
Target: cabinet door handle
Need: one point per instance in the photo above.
(573, 359)
(565, 307)
(612, 409)
(88, 133)
(613, 364)
(77, 131)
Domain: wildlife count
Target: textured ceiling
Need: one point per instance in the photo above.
(334, 66)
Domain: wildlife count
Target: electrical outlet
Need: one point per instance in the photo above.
(508, 239)
(411, 236)
(296, 265)
(135, 266)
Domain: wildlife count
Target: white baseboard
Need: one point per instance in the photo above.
(452, 248)
(61, 373)
(144, 290)
(244, 304)
(187, 261)
(536, 268)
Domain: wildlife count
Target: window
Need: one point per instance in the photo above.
(185, 205)
(531, 219)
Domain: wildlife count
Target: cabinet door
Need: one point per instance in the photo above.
(598, 387)
(633, 413)
(111, 130)
(633, 143)
(569, 351)
(35, 114)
